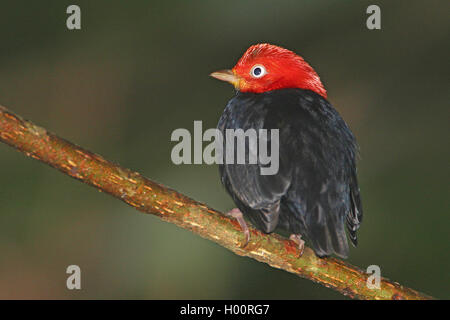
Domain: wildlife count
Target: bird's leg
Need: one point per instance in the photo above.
(297, 238)
(237, 214)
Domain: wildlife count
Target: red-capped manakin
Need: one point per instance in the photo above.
(315, 191)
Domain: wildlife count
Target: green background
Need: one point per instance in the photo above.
(139, 69)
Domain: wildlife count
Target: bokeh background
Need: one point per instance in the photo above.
(139, 69)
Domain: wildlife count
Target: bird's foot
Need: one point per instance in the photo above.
(297, 238)
(237, 214)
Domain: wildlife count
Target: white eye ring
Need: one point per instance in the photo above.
(258, 71)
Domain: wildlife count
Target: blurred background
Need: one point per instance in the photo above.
(137, 70)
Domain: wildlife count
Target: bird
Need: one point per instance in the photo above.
(314, 195)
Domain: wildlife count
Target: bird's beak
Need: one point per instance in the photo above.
(228, 76)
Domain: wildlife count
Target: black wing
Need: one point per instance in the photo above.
(257, 196)
(354, 217)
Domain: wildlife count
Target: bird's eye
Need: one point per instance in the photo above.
(258, 71)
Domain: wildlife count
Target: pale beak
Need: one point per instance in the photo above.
(228, 76)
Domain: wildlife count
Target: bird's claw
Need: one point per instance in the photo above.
(237, 214)
(297, 238)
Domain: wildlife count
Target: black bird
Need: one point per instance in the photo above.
(315, 191)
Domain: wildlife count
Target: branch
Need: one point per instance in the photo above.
(171, 206)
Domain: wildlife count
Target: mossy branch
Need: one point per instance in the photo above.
(171, 206)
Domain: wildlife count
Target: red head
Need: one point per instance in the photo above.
(265, 67)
